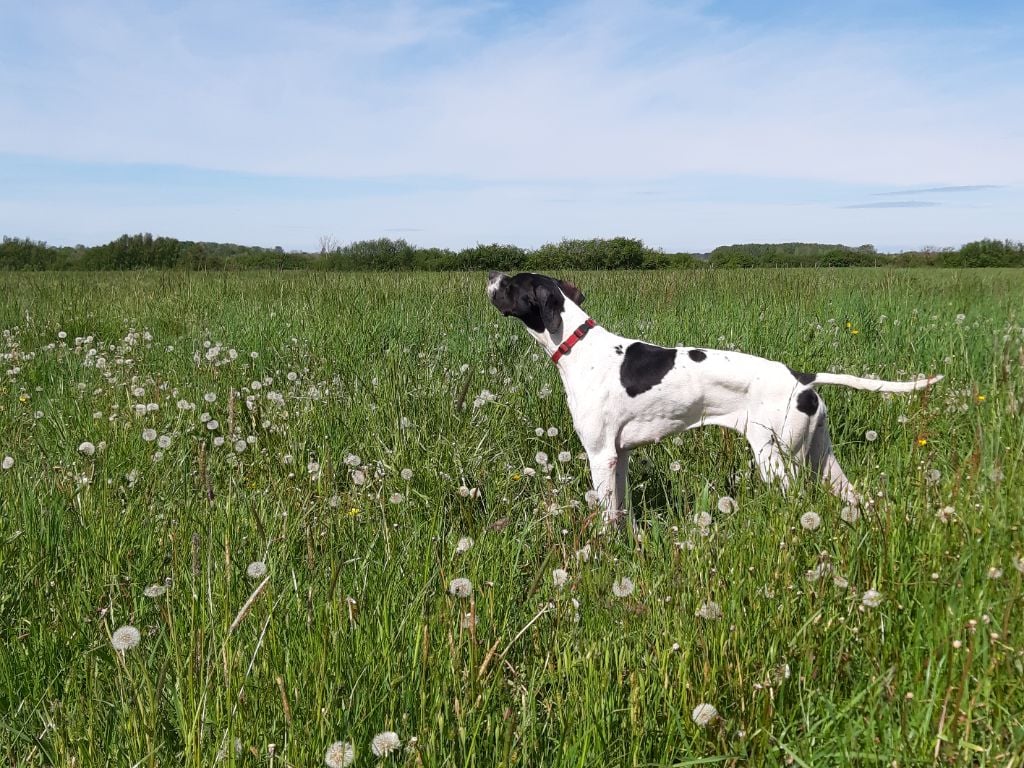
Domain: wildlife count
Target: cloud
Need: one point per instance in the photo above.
(636, 90)
(897, 204)
(942, 190)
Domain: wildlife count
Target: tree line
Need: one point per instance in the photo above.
(143, 251)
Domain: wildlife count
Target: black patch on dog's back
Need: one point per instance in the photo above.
(807, 402)
(644, 366)
(803, 378)
(698, 355)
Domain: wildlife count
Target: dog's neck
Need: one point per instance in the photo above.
(572, 318)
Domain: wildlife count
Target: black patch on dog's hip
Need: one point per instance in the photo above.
(644, 366)
(807, 402)
(697, 355)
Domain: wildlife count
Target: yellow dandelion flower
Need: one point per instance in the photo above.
(854, 331)
(23, 398)
(353, 512)
(981, 398)
(517, 476)
(922, 441)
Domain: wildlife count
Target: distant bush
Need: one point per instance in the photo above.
(143, 251)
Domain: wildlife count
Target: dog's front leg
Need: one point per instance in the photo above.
(608, 471)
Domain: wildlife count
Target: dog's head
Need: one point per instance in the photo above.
(539, 301)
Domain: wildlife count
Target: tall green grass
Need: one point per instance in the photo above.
(356, 633)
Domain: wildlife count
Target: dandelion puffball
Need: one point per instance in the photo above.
(849, 515)
(460, 588)
(704, 714)
(623, 587)
(560, 577)
(256, 569)
(340, 754)
(385, 743)
(810, 521)
(871, 599)
(125, 638)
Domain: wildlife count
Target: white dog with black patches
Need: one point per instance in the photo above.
(624, 393)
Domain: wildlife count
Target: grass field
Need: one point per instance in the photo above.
(268, 475)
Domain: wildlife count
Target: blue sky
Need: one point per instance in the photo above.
(687, 124)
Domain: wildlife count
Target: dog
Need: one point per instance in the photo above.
(624, 393)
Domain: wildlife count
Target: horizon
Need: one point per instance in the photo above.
(685, 125)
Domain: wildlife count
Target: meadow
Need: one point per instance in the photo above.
(235, 510)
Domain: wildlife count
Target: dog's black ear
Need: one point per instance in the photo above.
(575, 294)
(551, 303)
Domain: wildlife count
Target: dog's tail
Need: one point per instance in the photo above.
(873, 385)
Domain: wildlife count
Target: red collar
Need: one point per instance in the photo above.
(569, 343)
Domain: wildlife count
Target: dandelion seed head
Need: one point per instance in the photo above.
(460, 587)
(623, 587)
(871, 435)
(810, 521)
(995, 572)
(149, 435)
(154, 590)
(704, 715)
(932, 476)
(702, 519)
(7, 462)
(396, 498)
(541, 458)
(871, 598)
(384, 743)
(164, 441)
(406, 474)
(341, 754)
(565, 456)
(709, 610)
(675, 466)
(86, 448)
(560, 577)
(727, 505)
(849, 515)
(125, 638)
(256, 569)
(464, 544)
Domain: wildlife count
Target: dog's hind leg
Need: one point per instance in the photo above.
(822, 459)
(768, 457)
